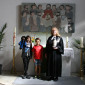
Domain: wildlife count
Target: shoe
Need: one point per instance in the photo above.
(48, 78)
(34, 77)
(52, 78)
(38, 77)
(55, 78)
(28, 77)
(23, 77)
(25, 74)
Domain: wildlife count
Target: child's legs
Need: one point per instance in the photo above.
(25, 62)
(36, 70)
(36, 67)
(39, 66)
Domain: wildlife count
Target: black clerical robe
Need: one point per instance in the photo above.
(54, 58)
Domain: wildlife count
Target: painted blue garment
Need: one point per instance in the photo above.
(22, 44)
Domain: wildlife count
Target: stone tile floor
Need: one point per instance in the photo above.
(7, 79)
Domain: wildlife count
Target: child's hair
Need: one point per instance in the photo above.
(37, 39)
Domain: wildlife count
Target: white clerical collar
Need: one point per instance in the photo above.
(53, 37)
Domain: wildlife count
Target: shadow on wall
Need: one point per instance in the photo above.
(1, 57)
(7, 66)
(19, 62)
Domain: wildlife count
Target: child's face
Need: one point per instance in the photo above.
(48, 7)
(23, 38)
(61, 7)
(54, 7)
(40, 7)
(37, 42)
(67, 8)
(34, 7)
(28, 39)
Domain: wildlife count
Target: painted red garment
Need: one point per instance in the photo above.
(48, 11)
(37, 51)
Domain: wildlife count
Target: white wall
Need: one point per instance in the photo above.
(9, 12)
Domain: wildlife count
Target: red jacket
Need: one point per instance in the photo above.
(48, 11)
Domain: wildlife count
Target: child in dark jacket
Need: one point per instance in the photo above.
(26, 54)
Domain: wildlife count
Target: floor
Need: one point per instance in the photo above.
(8, 79)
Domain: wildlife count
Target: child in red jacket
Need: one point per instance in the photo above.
(37, 56)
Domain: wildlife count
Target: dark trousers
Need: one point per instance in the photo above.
(26, 64)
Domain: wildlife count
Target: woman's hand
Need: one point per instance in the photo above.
(41, 60)
(45, 55)
(55, 48)
(30, 59)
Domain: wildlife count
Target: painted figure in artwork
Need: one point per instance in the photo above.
(33, 22)
(48, 16)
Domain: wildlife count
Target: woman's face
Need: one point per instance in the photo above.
(54, 31)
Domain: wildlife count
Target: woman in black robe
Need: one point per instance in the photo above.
(54, 49)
